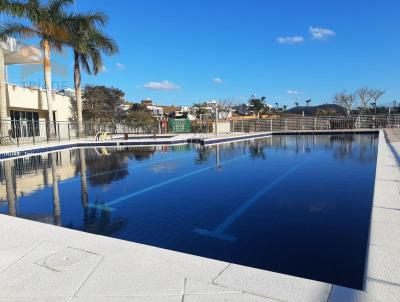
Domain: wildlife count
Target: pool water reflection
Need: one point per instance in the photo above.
(298, 205)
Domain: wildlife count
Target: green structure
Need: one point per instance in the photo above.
(179, 125)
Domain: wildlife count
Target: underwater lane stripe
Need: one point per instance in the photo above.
(127, 168)
(218, 232)
(107, 205)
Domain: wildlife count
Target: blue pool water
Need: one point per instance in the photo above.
(297, 205)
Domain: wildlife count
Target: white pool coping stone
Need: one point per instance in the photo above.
(42, 262)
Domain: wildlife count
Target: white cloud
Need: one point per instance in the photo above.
(320, 33)
(217, 80)
(293, 92)
(104, 69)
(120, 66)
(163, 85)
(290, 40)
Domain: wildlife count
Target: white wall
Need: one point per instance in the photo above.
(25, 99)
(224, 127)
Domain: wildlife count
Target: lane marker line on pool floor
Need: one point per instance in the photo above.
(107, 205)
(219, 231)
(129, 167)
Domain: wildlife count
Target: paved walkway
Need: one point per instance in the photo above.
(41, 262)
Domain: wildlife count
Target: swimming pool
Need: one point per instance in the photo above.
(294, 204)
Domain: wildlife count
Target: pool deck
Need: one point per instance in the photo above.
(41, 262)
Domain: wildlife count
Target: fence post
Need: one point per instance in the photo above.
(242, 125)
(47, 126)
(270, 124)
(58, 131)
(69, 132)
(315, 123)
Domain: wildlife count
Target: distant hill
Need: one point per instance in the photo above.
(325, 109)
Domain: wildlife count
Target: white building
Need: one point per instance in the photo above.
(158, 112)
(23, 107)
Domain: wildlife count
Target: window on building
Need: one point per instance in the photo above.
(24, 123)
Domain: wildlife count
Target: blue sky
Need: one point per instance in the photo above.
(184, 51)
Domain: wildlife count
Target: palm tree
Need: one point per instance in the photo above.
(87, 42)
(47, 22)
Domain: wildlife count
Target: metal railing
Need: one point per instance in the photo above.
(19, 132)
(316, 123)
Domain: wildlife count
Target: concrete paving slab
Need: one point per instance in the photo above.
(28, 279)
(130, 275)
(387, 172)
(273, 285)
(385, 292)
(386, 215)
(129, 299)
(341, 294)
(32, 299)
(13, 246)
(243, 297)
(385, 234)
(384, 264)
(198, 287)
(146, 257)
(386, 194)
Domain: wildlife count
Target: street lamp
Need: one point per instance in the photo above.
(297, 105)
(374, 104)
(308, 101)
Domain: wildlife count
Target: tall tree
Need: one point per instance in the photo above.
(345, 100)
(201, 109)
(47, 22)
(87, 42)
(258, 104)
(102, 104)
(364, 98)
(375, 95)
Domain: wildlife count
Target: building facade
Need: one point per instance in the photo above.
(24, 110)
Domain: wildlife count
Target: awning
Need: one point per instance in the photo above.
(18, 53)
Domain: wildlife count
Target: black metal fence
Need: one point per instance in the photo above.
(17, 132)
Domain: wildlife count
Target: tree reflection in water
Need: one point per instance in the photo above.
(56, 195)
(10, 191)
(115, 160)
(100, 222)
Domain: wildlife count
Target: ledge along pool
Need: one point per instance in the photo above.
(293, 204)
